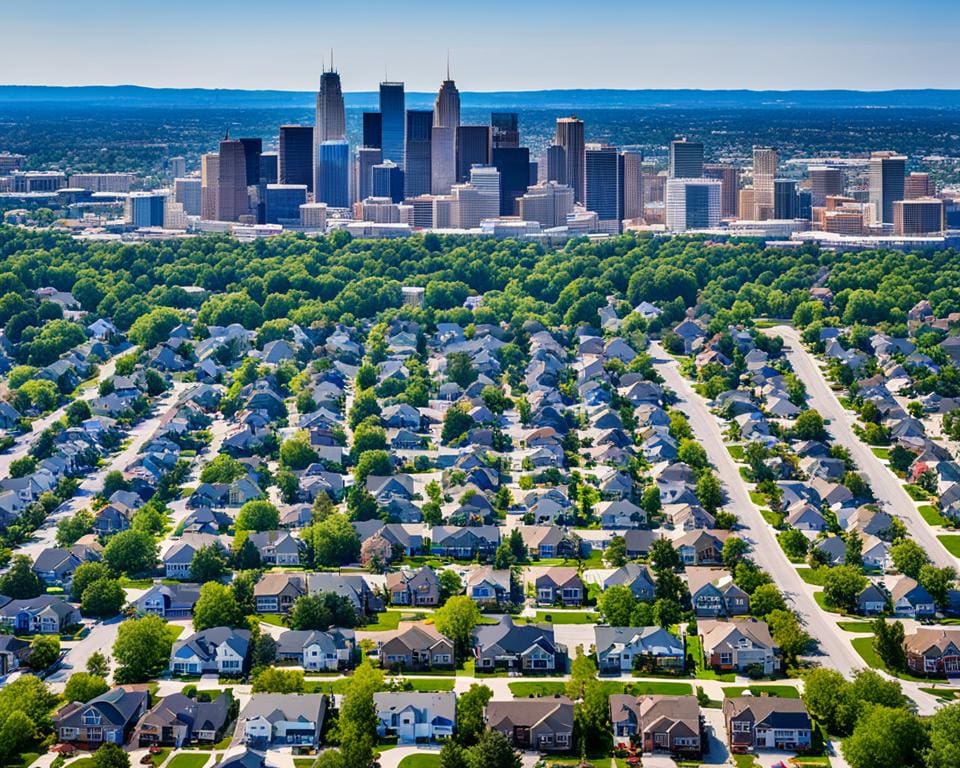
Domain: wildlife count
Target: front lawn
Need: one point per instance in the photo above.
(651, 688)
(275, 619)
(779, 691)
(881, 453)
(702, 672)
(427, 686)
(916, 493)
(736, 451)
(534, 689)
(814, 576)
(386, 620)
(864, 646)
(566, 617)
(424, 760)
(952, 543)
(932, 515)
(856, 626)
(188, 760)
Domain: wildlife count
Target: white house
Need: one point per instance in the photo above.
(415, 716)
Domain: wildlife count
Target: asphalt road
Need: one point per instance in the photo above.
(835, 652)
(886, 486)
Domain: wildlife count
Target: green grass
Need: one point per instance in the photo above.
(809, 760)
(916, 493)
(944, 694)
(664, 688)
(864, 646)
(385, 621)
(175, 630)
(736, 451)
(303, 762)
(881, 453)
(83, 762)
(187, 760)
(275, 619)
(702, 671)
(425, 760)
(932, 515)
(428, 686)
(127, 583)
(821, 599)
(855, 626)
(760, 499)
(745, 761)
(533, 688)
(566, 617)
(780, 691)
(815, 576)
(952, 543)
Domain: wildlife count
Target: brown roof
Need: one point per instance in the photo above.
(931, 638)
(531, 712)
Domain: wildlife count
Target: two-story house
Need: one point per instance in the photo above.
(713, 593)
(735, 646)
(416, 588)
(623, 649)
(545, 725)
(219, 649)
(109, 718)
(767, 722)
(416, 646)
(416, 716)
(282, 719)
(316, 650)
(670, 724)
(523, 648)
(559, 585)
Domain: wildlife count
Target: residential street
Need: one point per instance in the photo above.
(886, 486)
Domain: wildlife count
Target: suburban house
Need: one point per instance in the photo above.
(414, 716)
(622, 649)
(911, 599)
(178, 558)
(109, 717)
(44, 615)
(738, 645)
(464, 543)
(659, 723)
(276, 547)
(713, 593)
(13, 653)
(933, 651)
(276, 592)
(699, 548)
(316, 650)
(543, 724)
(421, 587)
(488, 586)
(546, 541)
(416, 646)
(178, 720)
(638, 578)
(524, 648)
(767, 722)
(560, 585)
(170, 601)
(219, 649)
(871, 601)
(282, 719)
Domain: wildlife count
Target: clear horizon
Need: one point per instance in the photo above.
(536, 45)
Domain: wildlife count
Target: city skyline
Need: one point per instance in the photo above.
(644, 48)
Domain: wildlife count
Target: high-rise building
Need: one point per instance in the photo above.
(570, 136)
(692, 204)
(333, 186)
(915, 186)
(232, 198)
(367, 158)
(804, 204)
(632, 184)
(513, 164)
(446, 107)
(825, 181)
(506, 131)
(252, 149)
(603, 176)
(331, 118)
(473, 148)
(393, 122)
(765, 161)
(189, 193)
(13, 162)
(887, 173)
(210, 183)
(418, 178)
(487, 179)
(729, 178)
(556, 164)
(548, 203)
(313, 216)
(372, 129)
(443, 143)
(387, 181)
(296, 155)
(473, 205)
(785, 202)
(177, 166)
(145, 209)
(269, 167)
(686, 159)
(918, 216)
(283, 203)
(103, 182)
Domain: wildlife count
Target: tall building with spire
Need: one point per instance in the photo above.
(443, 145)
(331, 122)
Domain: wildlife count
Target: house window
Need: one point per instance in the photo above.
(726, 658)
(741, 726)
(660, 738)
(563, 738)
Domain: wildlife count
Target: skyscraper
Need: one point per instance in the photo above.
(825, 181)
(692, 204)
(556, 164)
(547, 203)
(282, 203)
(367, 158)
(372, 129)
(915, 186)
(418, 178)
(918, 216)
(331, 120)
(232, 199)
(388, 181)
(252, 149)
(188, 192)
(209, 184)
(333, 182)
(269, 167)
(887, 172)
(632, 184)
(446, 107)
(506, 131)
(729, 178)
(686, 159)
(443, 144)
(785, 200)
(392, 122)
(473, 148)
(604, 184)
(513, 163)
(296, 155)
(765, 162)
(570, 137)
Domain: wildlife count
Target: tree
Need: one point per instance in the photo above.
(617, 604)
(824, 693)
(372, 463)
(358, 716)
(583, 671)
(264, 650)
(908, 557)
(322, 611)
(842, 585)
(663, 556)
(734, 552)
(257, 515)
(98, 665)
(334, 541)
(885, 738)
(69, 529)
(222, 469)
(765, 599)
(142, 649)
(365, 405)
(131, 552)
(450, 584)
(470, 706)
(103, 598)
(20, 582)
(460, 369)
(368, 436)
(113, 482)
(944, 730)
(900, 459)
(495, 400)
(44, 651)
(888, 643)
(242, 588)
(452, 755)
(82, 686)
(297, 453)
(691, 453)
(493, 750)
(110, 755)
(616, 552)
(273, 680)
(29, 695)
(749, 577)
(938, 582)
(457, 619)
(456, 423)
(149, 519)
(809, 426)
(709, 492)
(22, 467)
(17, 731)
(216, 607)
(209, 563)
(788, 634)
(853, 550)
(150, 329)
(650, 500)
(794, 543)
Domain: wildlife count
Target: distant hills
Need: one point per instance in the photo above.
(199, 98)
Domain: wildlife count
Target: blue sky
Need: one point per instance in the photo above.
(495, 45)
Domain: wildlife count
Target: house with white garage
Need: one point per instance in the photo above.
(416, 716)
